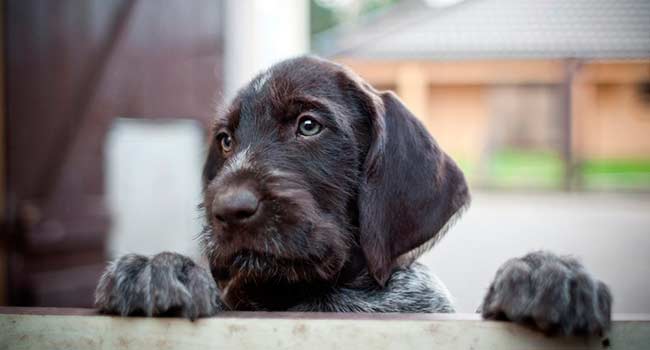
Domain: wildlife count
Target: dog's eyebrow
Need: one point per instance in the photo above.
(296, 104)
(229, 118)
(315, 102)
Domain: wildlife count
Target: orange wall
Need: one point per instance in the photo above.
(457, 117)
(451, 98)
(617, 125)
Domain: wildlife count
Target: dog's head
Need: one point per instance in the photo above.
(311, 168)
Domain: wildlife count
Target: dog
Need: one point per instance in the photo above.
(320, 193)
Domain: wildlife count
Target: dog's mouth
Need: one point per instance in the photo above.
(292, 251)
(262, 266)
(241, 275)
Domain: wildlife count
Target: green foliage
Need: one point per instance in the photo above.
(545, 170)
(321, 18)
(616, 173)
(526, 169)
(324, 17)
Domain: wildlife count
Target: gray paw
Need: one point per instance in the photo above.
(554, 294)
(167, 284)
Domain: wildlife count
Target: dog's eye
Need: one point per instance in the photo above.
(307, 126)
(226, 141)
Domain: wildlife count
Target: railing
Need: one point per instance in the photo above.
(50, 328)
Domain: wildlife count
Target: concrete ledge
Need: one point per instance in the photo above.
(50, 328)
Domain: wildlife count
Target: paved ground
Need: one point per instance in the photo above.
(610, 233)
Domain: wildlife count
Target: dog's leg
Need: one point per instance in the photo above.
(165, 284)
(552, 293)
(409, 289)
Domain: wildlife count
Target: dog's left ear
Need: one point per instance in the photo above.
(410, 190)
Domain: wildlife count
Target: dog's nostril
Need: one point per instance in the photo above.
(235, 205)
(243, 214)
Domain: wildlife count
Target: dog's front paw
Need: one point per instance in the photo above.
(167, 284)
(554, 294)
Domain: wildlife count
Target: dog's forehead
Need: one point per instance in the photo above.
(277, 92)
(281, 91)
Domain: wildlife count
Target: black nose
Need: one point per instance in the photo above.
(235, 204)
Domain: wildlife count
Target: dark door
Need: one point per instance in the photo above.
(72, 66)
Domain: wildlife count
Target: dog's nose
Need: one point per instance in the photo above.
(235, 204)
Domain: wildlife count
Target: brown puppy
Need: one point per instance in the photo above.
(319, 194)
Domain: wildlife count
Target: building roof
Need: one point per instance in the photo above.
(497, 29)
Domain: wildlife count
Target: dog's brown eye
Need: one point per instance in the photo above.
(309, 127)
(226, 142)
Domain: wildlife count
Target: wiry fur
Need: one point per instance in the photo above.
(409, 289)
(553, 293)
(165, 284)
(339, 217)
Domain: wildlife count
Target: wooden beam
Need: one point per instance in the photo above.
(567, 108)
(616, 72)
(25, 328)
(463, 72)
(584, 123)
(386, 72)
(4, 256)
(88, 93)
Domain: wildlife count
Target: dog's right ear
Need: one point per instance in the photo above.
(410, 188)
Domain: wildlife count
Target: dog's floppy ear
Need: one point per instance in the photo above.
(410, 190)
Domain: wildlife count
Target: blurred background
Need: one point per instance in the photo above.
(106, 105)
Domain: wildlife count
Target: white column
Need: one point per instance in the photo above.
(259, 33)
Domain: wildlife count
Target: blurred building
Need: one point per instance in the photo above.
(525, 93)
